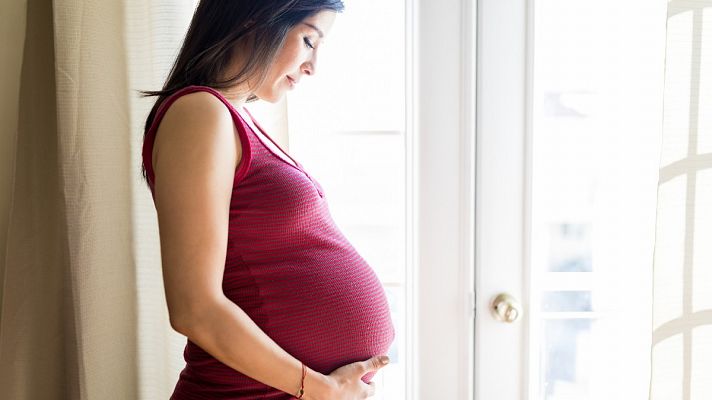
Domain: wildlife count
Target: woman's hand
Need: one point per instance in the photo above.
(346, 381)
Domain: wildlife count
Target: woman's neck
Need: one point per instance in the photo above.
(237, 100)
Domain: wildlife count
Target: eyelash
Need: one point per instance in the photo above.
(308, 43)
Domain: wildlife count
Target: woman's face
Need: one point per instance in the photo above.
(298, 56)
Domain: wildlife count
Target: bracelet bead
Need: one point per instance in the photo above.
(300, 393)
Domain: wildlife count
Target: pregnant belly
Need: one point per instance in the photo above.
(325, 309)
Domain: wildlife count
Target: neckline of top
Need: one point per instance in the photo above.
(296, 164)
(263, 132)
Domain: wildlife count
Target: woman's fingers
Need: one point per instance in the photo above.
(373, 364)
(349, 377)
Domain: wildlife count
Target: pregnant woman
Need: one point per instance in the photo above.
(274, 300)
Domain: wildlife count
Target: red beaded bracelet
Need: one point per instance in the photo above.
(300, 393)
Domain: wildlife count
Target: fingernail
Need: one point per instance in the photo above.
(385, 360)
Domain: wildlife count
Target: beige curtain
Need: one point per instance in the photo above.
(36, 359)
(682, 316)
(83, 312)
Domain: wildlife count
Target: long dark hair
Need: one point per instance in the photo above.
(217, 28)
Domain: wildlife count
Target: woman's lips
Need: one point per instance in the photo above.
(291, 82)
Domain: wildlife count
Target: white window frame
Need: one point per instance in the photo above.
(441, 183)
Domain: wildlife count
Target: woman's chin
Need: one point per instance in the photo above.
(273, 97)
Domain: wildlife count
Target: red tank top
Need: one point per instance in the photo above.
(290, 268)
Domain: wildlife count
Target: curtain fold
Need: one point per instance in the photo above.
(95, 182)
(682, 309)
(37, 346)
(12, 39)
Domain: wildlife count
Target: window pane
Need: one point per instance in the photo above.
(597, 101)
(566, 301)
(565, 359)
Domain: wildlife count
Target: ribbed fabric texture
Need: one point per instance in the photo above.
(290, 268)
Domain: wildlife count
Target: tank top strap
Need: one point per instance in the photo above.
(264, 132)
(183, 91)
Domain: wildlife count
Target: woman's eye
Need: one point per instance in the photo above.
(308, 43)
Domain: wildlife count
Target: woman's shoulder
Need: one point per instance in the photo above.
(196, 111)
(198, 119)
(197, 102)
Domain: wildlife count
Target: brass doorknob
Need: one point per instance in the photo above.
(506, 308)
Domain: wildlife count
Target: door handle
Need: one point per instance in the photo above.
(506, 308)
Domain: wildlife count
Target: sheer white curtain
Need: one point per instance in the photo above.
(154, 32)
(682, 311)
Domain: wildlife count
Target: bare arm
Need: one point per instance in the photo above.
(229, 335)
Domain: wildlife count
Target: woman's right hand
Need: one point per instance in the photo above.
(346, 381)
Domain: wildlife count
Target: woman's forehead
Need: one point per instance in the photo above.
(313, 27)
(320, 22)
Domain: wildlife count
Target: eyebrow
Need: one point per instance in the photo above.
(321, 34)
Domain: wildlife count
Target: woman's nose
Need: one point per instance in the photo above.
(308, 68)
